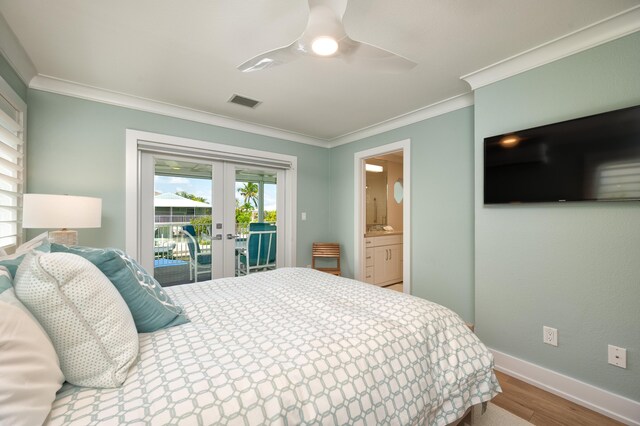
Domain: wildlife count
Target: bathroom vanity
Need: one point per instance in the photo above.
(383, 256)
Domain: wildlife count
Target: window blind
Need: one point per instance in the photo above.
(12, 148)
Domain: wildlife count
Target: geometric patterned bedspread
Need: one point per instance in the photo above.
(295, 346)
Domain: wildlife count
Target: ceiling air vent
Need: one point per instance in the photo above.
(241, 100)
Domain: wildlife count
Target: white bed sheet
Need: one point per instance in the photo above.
(295, 346)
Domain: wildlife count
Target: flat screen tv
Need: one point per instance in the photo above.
(595, 158)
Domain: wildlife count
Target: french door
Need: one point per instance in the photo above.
(198, 217)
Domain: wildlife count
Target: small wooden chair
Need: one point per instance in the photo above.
(326, 251)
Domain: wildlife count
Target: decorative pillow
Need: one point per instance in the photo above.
(6, 282)
(41, 242)
(84, 315)
(8, 295)
(30, 372)
(12, 261)
(150, 305)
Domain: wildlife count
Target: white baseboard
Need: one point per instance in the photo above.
(611, 405)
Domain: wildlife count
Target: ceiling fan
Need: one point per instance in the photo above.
(326, 37)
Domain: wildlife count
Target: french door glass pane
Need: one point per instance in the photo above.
(183, 193)
(256, 213)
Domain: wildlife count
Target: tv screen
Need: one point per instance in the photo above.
(593, 158)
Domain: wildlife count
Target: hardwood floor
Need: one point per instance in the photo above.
(543, 408)
(538, 406)
(396, 287)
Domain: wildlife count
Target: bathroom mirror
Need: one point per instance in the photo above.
(398, 191)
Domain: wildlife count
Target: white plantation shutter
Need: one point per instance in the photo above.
(12, 173)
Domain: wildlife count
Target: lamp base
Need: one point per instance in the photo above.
(64, 236)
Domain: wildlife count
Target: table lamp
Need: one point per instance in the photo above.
(61, 211)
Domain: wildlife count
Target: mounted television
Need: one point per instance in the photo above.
(595, 158)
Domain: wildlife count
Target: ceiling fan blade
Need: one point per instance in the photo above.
(366, 55)
(271, 58)
(325, 21)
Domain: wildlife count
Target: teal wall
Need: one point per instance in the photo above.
(12, 78)
(441, 206)
(78, 147)
(574, 266)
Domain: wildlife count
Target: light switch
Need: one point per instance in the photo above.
(303, 216)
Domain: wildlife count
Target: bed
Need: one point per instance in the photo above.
(295, 346)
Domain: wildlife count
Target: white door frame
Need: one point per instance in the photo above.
(360, 207)
(286, 204)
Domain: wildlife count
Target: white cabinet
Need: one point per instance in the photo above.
(383, 257)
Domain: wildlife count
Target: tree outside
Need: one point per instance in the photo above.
(244, 212)
(270, 216)
(250, 193)
(193, 197)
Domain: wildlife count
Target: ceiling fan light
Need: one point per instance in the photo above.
(324, 46)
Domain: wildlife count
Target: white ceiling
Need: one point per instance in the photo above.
(185, 53)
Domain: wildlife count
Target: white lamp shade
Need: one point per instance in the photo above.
(61, 211)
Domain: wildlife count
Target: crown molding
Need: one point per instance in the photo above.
(14, 53)
(593, 35)
(603, 31)
(430, 111)
(68, 88)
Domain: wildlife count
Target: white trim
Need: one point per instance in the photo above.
(611, 405)
(132, 169)
(20, 106)
(359, 208)
(421, 114)
(593, 35)
(81, 91)
(13, 98)
(15, 54)
(68, 88)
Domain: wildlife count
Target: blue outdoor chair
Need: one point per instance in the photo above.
(199, 262)
(261, 249)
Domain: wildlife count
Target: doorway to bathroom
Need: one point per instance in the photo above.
(382, 223)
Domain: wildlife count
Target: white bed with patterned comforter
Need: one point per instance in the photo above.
(295, 346)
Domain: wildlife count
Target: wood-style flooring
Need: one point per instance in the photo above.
(396, 287)
(543, 408)
(538, 406)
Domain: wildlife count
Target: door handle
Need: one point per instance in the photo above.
(390, 254)
(217, 237)
(386, 254)
(230, 237)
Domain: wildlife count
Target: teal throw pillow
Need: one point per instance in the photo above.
(5, 280)
(12, 263)
(151, 307)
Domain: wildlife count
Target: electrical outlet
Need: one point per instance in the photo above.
(617, 356)
(550, 336)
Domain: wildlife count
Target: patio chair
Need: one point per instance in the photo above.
(199, 262)
(260, 251)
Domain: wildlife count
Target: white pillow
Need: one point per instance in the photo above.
(87, 320)
(30, 374)
(42, 239)
(8, 295)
